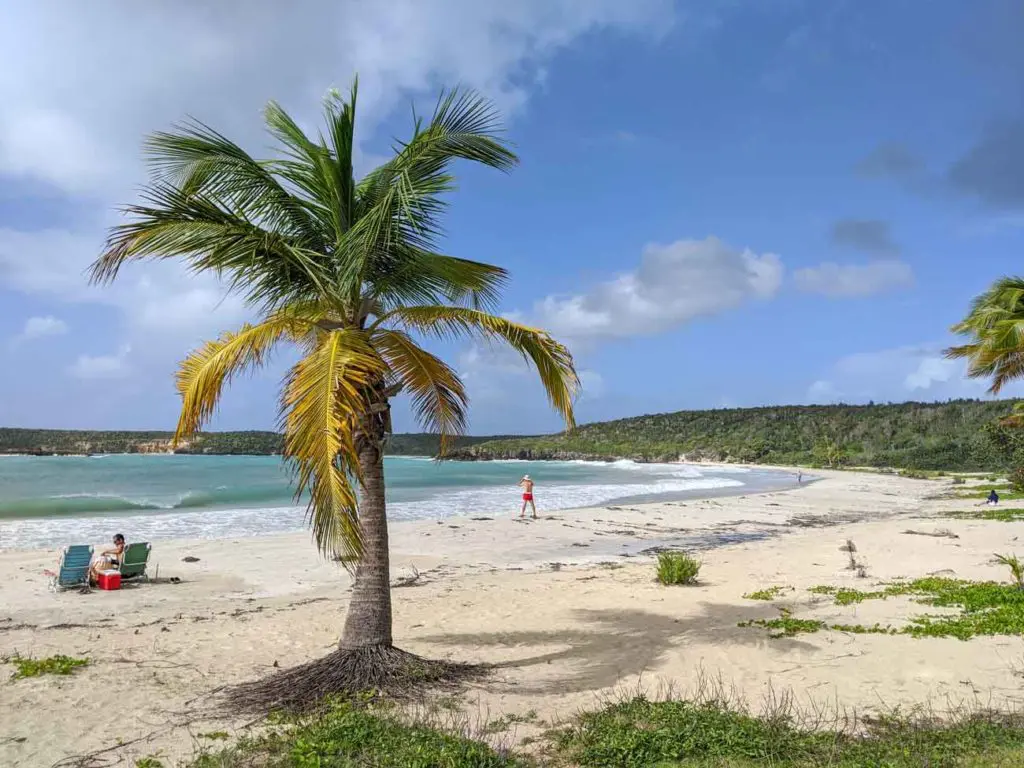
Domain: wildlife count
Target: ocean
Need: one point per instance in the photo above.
(50, 501)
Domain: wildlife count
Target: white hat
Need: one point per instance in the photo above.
(526, 477)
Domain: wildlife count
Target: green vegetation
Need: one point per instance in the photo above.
(785, 625)
(708, 732)
(25, 666)
(348, 736)
(959, 435)
(677, 568)
(985, 608)
(989, 513)
(685, 734)
(769, 593)
(1016, 568)
(844, 596)
(67, 442)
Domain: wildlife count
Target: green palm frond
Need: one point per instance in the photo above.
(324, 399)
(552, 360)
(995, 326)
(198, 160)
(424, 277)
(268, 267)
(438, 396)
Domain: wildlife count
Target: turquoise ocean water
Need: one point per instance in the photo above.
(49, 501)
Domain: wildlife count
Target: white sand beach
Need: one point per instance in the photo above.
(566, 606)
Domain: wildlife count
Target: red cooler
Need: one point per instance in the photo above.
(109, 580)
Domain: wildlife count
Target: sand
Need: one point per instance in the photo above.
(567, 607)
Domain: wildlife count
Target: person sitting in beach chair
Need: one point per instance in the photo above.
(108, 558)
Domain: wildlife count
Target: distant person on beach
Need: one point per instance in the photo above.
(993, 497)
(527, 485)
(799, 477)
(108, 558)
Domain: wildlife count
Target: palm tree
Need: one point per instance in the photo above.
(348, 272)
(995, 326)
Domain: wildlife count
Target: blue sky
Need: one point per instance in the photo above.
(720, 203)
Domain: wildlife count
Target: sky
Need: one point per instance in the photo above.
(720, 203)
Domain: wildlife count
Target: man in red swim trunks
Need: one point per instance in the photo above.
(527, 485)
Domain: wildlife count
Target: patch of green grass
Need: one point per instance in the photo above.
(214, 735)
(25, 666)
(985, 608)
(769, 593)
(687, 734)
(1006, 492)
(349, 736)
(786, 626)
(989, 513)
(503, 723)
(677, 568)
(150, 761)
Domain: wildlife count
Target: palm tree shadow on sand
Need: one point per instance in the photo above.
(617, 645)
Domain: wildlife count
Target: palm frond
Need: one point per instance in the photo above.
(552, 360)
(202, 375)
(425, 277)
(995, 327)
(198, 160)
(324, 398)
(438, 396)
(268, 267)
(401, 202)
(311, 167)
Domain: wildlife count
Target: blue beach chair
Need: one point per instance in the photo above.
(73, 570)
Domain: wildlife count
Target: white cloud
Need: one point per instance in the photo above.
(38, 327)
(930, 371)
(911, 372)
(854, 280)
(673, 283)
(77, 109)
(102, 366)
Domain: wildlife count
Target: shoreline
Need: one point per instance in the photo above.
(157, 524)
(566, 607)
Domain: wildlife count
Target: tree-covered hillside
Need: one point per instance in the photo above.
(952, 436)
(64, 442)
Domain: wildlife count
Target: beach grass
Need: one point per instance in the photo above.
(677, 568)
(26, 666)
(347, 735)
(703, 734)
(1012, 515)
(708, 730)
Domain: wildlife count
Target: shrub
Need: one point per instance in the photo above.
(1017, 479)
(677, 568)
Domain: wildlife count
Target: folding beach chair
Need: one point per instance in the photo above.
(134, 560)
(73, 570)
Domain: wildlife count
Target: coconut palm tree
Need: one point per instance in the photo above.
(995, 326)
(348, 272)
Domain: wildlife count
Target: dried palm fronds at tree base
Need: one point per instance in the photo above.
(349, 673)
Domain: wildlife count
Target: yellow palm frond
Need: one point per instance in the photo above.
(552, 360)
(438, 396)
(324, 398)
(202, 375)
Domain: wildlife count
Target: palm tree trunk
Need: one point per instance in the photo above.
(368, 622)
